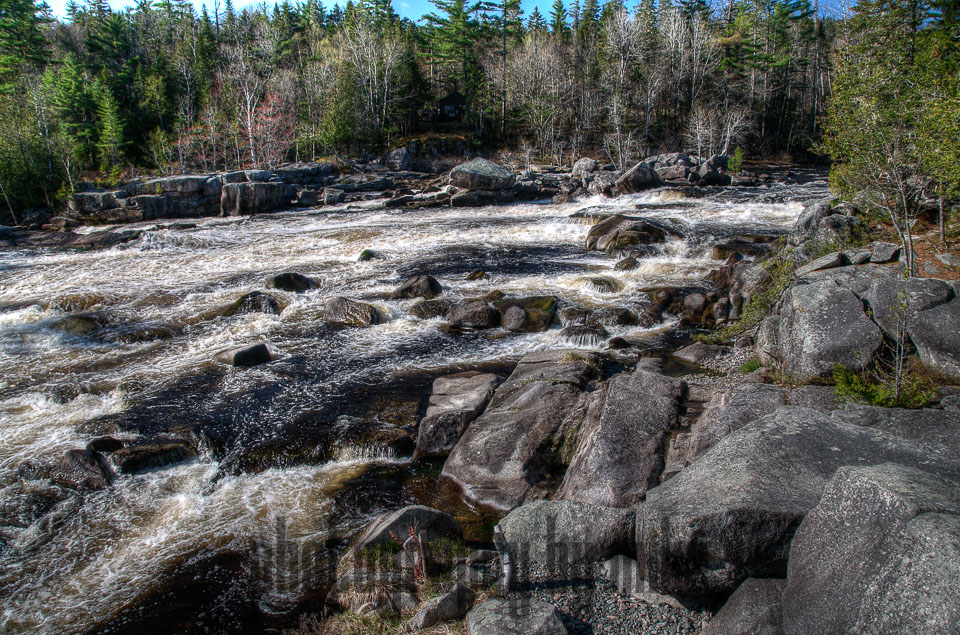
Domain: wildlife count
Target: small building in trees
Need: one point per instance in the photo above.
(452, 107)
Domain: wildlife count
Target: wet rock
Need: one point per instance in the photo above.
(452, 605)
(367, 255)
(338, 310)
(820, 325)
(583, 167)
(431, 524)
(475, 275)
(291, 281)
(585, 335)
(430, 309)
(254, 302)
(620, 232)
(456, 401)
(527, 315)
(695, 303)
(602, 184)
(806, 225)
(885, 252)
(425, 287)
(473, 198)
(245, 356)
(242, 199)
(82, 469)
(731, 514)
(504, 456)
(554, 534)
(146, 454)
(877, 554)
(481, 174)
(104, 444)
(80, 324)
(753, 608)
(515, 616)
(333, 196)
(617, 343)
(474, 314)
(621, 441)
(638, 178)
(627, 264)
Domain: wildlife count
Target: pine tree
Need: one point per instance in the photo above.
(589, 25)
(110, 139)
(558, 19)
(455, 32)
(536, 22)
(22, 45)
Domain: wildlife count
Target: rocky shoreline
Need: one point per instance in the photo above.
(691, 488)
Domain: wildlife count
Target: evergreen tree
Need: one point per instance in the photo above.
(558, 19)
(110, 138)
(536, 22)
(22, 45)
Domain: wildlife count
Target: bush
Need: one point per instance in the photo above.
(864, 387)
(735, 161)
(750, 366)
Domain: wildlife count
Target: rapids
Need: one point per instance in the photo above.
(237, 538)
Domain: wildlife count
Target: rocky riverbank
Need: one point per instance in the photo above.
(641, 501)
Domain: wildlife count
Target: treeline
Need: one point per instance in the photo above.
(893, 127)
(161, 87)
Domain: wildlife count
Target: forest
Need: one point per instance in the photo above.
(102, 95)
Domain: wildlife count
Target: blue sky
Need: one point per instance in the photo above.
(412, 9)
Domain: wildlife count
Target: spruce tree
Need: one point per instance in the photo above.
(558, 19)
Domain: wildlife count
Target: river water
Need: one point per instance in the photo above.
(239, 537)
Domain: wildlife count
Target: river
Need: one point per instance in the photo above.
(299, 452)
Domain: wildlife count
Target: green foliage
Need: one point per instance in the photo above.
(780, 268)
(338, 128)
(735, 162)
(864, 387)
(750, 366)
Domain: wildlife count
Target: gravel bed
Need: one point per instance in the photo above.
(589, 603)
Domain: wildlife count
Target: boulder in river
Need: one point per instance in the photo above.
(79, 324)
(481, 174)
(82, 469)
(338, 310)
(246, 356)
(151, 452)
(291, 281)
(515, 616)
(877, 554)
(527, 315)
(638, 178)
(584, 166)
(456, 400)
(473, 198)
(425, 287)
(504, 456)
(241, 199)
(254, 302)
(473, 314)
(429, 309)
(619, 232)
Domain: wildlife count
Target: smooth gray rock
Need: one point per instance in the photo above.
(583, 167)
(527, 315)
(516, 616)
(245, 356)
(481, 174)
(473, 198)
(728, 411)
(242, 199)
(858, 256)
(638, 178)
(291, 281)
(822, 398)
(698, 352)
(430, 523)
(333, 196)
(878, 554)
(619, 455)
(820, 325)
(753, 609)
(836, 259)
(399, 159)
(936, 334)
(885, 252)
(452, 605)
(503, 456)
(895, 302)
(806, 225)
(339, 310)
(425, 287)
(456, 401)
(731, 514)
(556, 534)
(621, 232)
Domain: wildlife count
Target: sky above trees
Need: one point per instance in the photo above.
(413, 9)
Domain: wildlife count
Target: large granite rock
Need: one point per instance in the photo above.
(583, 167)
(505, 457)
(936, 334)
(473, 314)
(425, 287)
(395, 526)
(456, 401)
(245, 356)
(481, 174)
(554, 534)
(638, 178)
(821, 324)
(731, 514)
(515, 616)
(619, 455)
(618, 232)
(754, 609)
(878, 554)
(452, 605)
(242, 199)
(82, 469)
(527, 315)
(806, 225)
(349, 312)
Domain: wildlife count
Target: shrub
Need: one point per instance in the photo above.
(750, 365)
(916, 390)
(735, 162)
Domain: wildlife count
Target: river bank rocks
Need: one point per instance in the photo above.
(456, 400)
